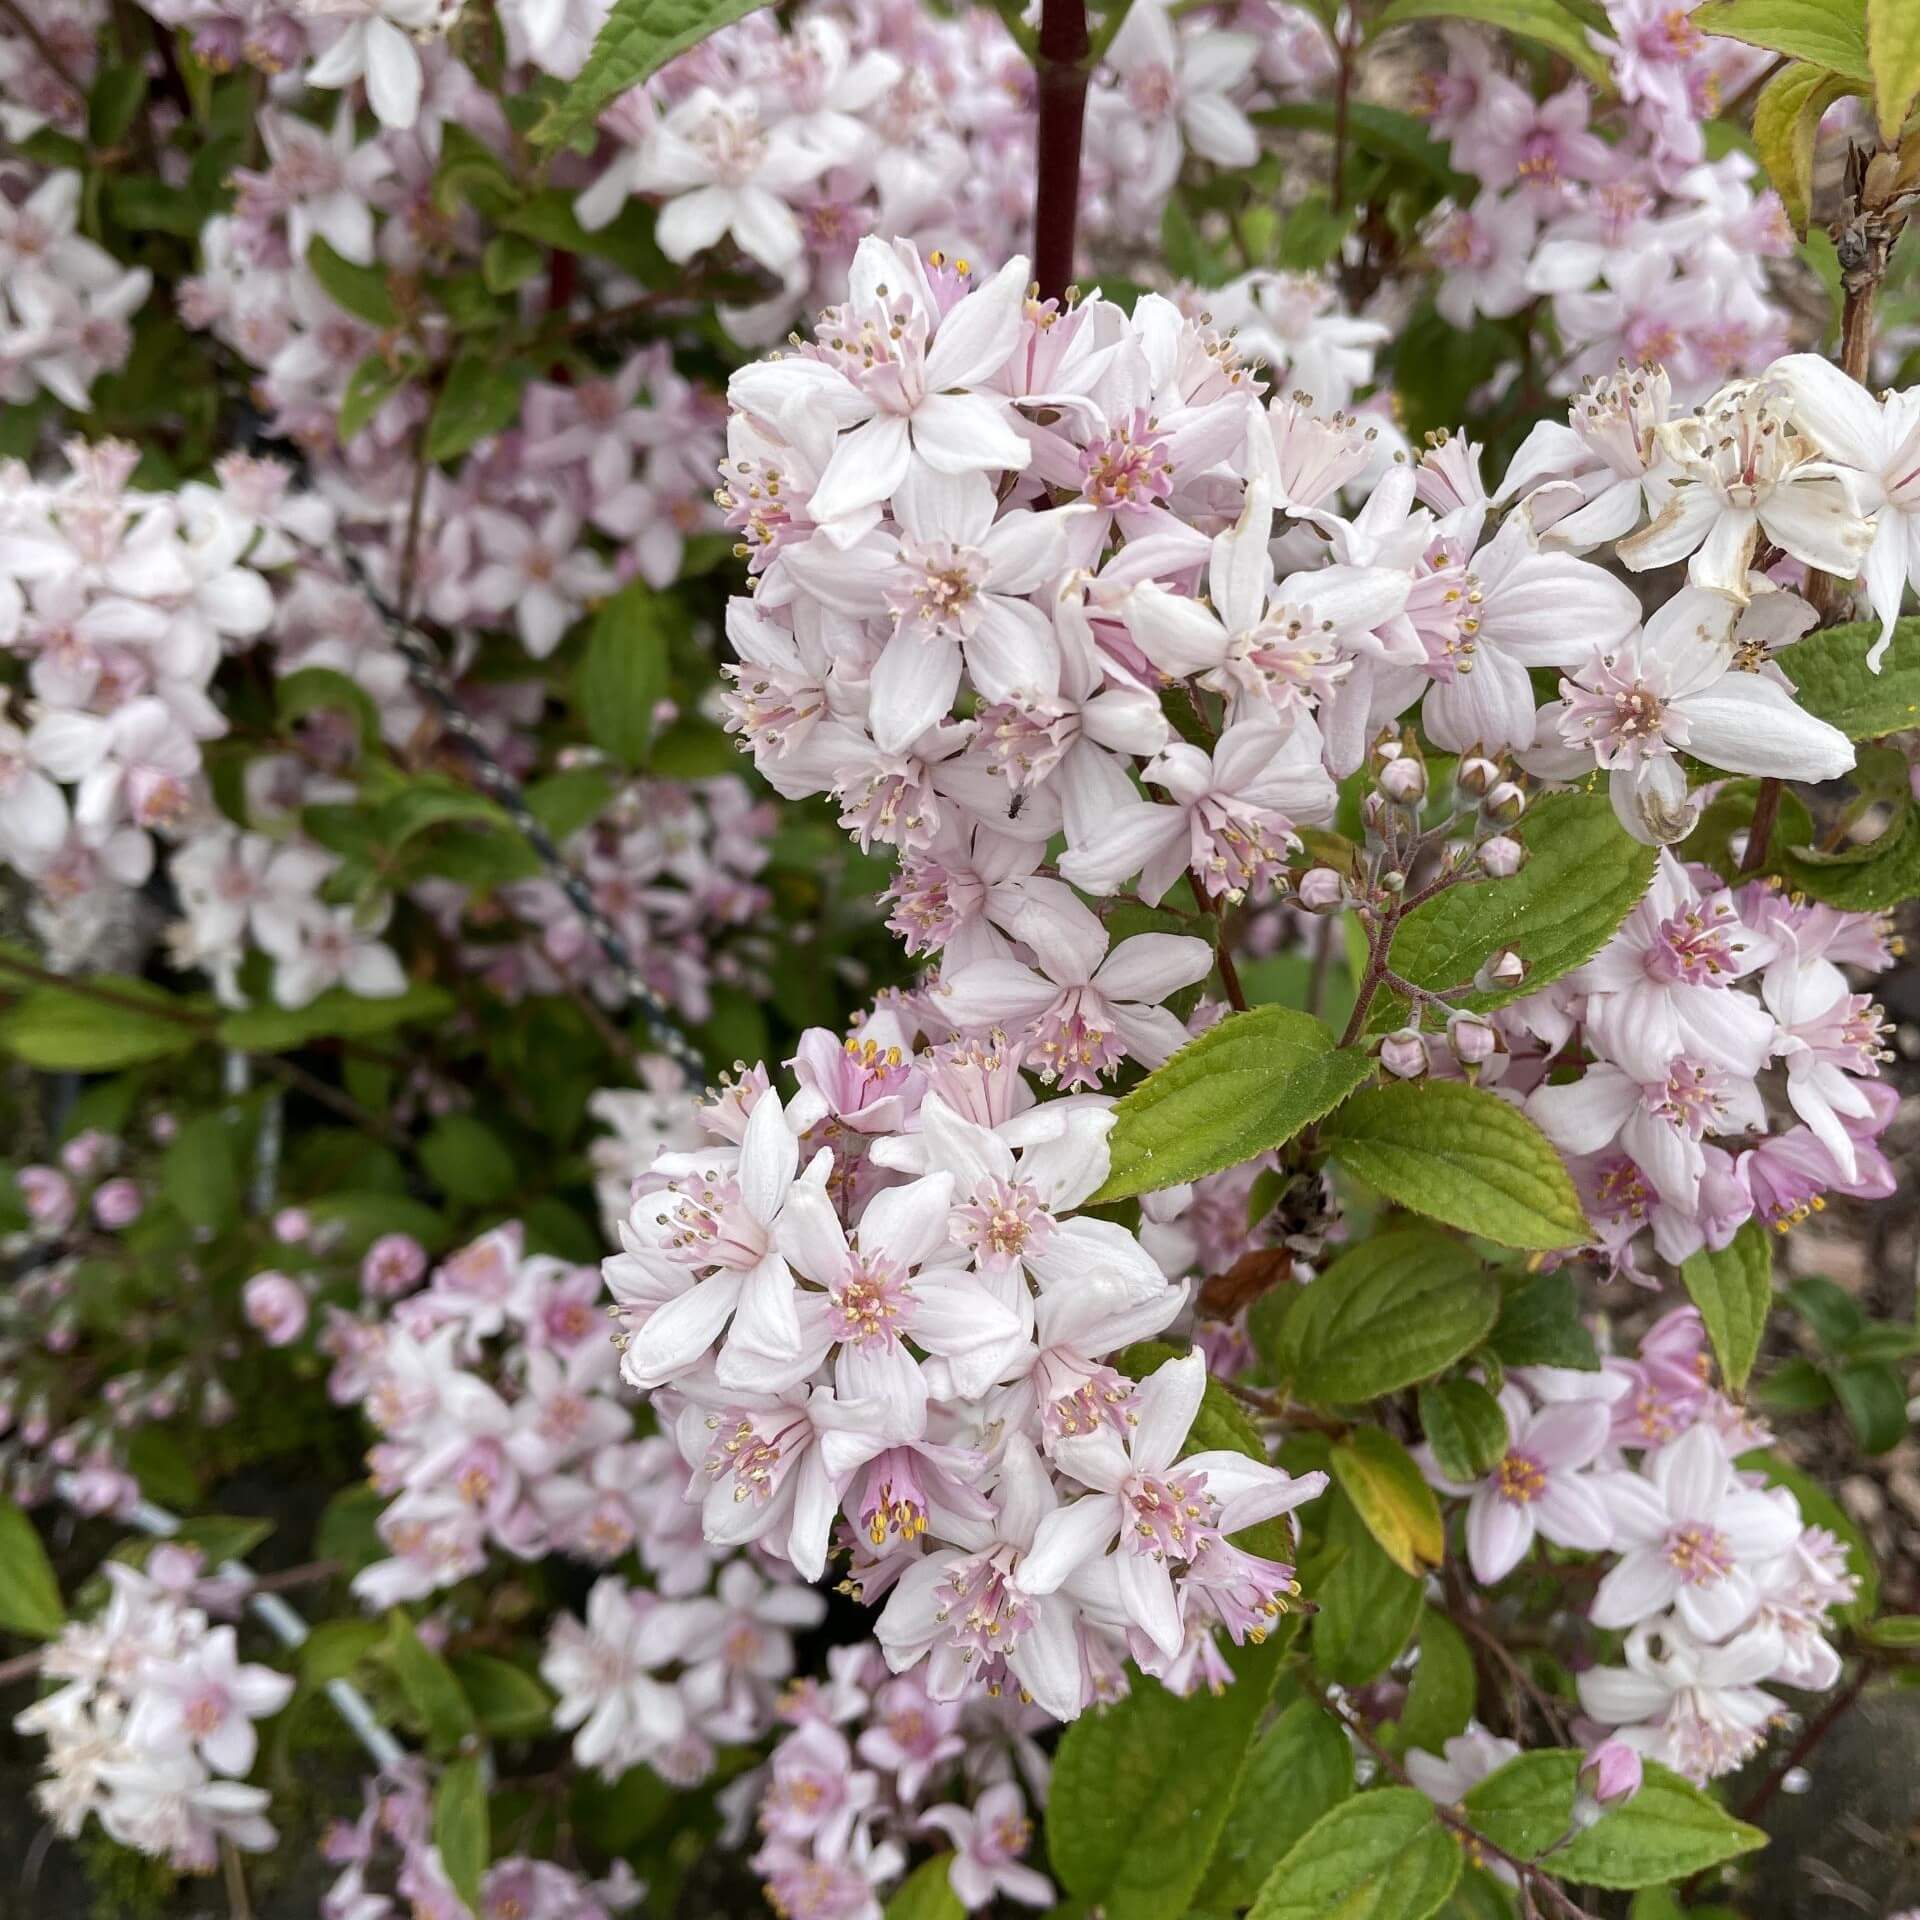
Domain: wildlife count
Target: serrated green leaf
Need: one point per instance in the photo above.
(507, 1701)
(1378, 1475)
(1733, 1290)
(1461, 1155)
(428, 1682)
(1441, 1694)
(1861, 879)
(1465, 1426)
(198, 1174)
(1893, 53)
(30, 1601)
(468, 1160)
(1874, 1399)
(1828, 33)
(638, 38)
(1584, 874)
(461, 1829)
(927, 1893)
(57, 1031)
(362, 291)
(1366, 1605)
(1786, 128)
(1394, 1310)
(1668, 1830)
(1540, 1326)
(1383, 1855)
(1141, 1789)
(1244, 1086)
(625, 674)
(1301, 1768)
(1834, 683)
(477, 401)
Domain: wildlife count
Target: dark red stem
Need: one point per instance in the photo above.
(1062, 80)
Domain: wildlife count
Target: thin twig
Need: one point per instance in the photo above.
(1062, 90)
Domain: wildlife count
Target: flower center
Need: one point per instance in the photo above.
(1699, 1554)
(1519, 1479)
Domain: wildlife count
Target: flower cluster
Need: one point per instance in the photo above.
(873, 1763)
(1644, 249)
(150, 1727)
(1717, 1581)
(388, 1857)
(877, 1301)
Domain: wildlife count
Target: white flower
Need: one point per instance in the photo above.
(376, 46)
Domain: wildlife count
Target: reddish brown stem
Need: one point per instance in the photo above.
(1062, 86)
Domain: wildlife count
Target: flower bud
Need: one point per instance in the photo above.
(1502, 857)
(48, 1197)
(1610, 1777)
(1472, 1039)
(117, 1204)
(1404, 1054)
(86, 1153)
(292, 1225)
(1320, 889)
(1505, 801)
(1476, 773)
(1375, 810)
(275, 1306)
(1404, 779)
(1503, 969)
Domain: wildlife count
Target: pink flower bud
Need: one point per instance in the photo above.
(1320, 889)
(86, 1153)
(1472, 1039)
(393, 1266)
(1404, 1054)
(1476, 773)
(1503, 969)
(292, 1225)
(1502, 857)
(1612, 1773)
(1505, 801)
(48, 1195)
(1404, 779)
(117, 1204)
(163, 1126)
(276, 1307)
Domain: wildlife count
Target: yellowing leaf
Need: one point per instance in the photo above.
(1386, 1489)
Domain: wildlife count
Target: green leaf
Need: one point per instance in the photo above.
(116, 98)
(625, 673)
(1893, 53)
(1668, 1830)
(1828, 33)
(369, 387)
(1861, 879)
(334, 1648)
(1465, 1426)
(1818, 1508)
(1384, 132)
(1441, 1694)
(1584, 874)
(1794, 1386)
(1540, 1326)
(693, 749)
(469, 1162)
(1302, 1768)
(1394, 1310)
(510, 261)
(507, 1701)
(1733, 1290)
(199, 1176)
(1141, 1789)
(1882, 1340)
(335, 1014)
(461, 1827)
(428, 1682)
(56, 1031)
(1388, 1493)
(223, 1536)
(362, 291)
(1834, 683)
(477, 401)
(927, 1893)
(1367, 1606)
(1382, 1855)
(1786, 128)
(1461, 1155)
(29, 1593)
(1900, 1631)
(1874, 1399)
(1244, 1086)
(322, 689)
(1543, 21)
(639, 38)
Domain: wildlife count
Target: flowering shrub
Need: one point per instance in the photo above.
(930, 938)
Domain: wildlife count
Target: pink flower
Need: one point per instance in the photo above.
(988, 1841)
